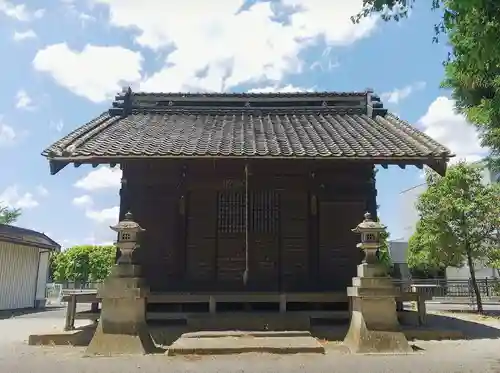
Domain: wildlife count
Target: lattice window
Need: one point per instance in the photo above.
(231, 217)
(264, 212)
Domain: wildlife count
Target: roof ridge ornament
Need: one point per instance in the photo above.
(374, 105)
(122, 106)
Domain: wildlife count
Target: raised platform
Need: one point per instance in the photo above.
(186, 307)
(234, 342)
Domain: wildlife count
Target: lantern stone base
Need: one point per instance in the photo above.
(122, 325)
(374, 324)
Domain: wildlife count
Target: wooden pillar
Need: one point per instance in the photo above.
(124, 201)
(181, 256)
(371, 203)
(313, 231)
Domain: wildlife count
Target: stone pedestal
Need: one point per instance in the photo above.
(122, 327)
(374, 324)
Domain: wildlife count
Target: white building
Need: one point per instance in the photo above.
(409, 217)
(24, 267)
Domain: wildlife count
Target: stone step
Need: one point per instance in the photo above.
(237, 342)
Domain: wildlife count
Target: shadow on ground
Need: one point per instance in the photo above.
(7, 314)
(470, 328)
(438, 327)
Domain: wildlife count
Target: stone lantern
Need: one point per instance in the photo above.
(122, 327)
(374, 326)
(370, 238)
(127, 230)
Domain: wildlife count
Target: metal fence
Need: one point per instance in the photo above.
(53, 293)
(68, 285)
(444, 288)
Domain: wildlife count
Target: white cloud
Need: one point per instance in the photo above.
(7, 134)
(14, 199)
(399, 94)
(214, 46)
(101, 234)
(57, 125)
(102, 178)
(108, 216)
(96, 72)
(84, 201)
(275, 89)
(99, 239)
(42, 191)
(85, 17)
(74, 11)
(19, 11)
(24, 35)
(444, 125)
(24, 101)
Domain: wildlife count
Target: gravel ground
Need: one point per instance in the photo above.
(479, 355)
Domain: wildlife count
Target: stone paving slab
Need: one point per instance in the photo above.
(244, 343)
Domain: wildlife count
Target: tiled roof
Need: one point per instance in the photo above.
(26, 237)
(305, 125)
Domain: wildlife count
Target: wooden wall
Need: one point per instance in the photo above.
(306, 244)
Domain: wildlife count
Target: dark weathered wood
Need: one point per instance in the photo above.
(193, 213)
(338, 255)
(296, 264)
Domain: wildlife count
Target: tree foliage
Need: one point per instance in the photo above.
(82, 264)
(458, 221)
(384, 256)
(9, 215)
(472, 70)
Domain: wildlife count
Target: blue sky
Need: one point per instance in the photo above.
(63, 62)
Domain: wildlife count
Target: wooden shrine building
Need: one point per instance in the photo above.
(248, 192)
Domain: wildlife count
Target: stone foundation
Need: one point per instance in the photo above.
(122, 325)
(374, 326)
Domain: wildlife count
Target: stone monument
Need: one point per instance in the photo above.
(122, 327)
(374, 324)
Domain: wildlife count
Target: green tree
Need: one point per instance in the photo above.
(493, 257)
(9, 215)
(102, 258)
(383, 254)
(472, 70)
(82, 264)
(456, 221)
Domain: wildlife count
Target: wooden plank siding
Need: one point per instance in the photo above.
(300, 223)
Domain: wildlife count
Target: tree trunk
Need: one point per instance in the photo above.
(472, 272)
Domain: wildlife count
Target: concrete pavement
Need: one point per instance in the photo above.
(477, 355)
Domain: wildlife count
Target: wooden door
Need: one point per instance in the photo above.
(338, 255)
(295, 260)
(264, 240)
(231, 226)
(201, 240)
